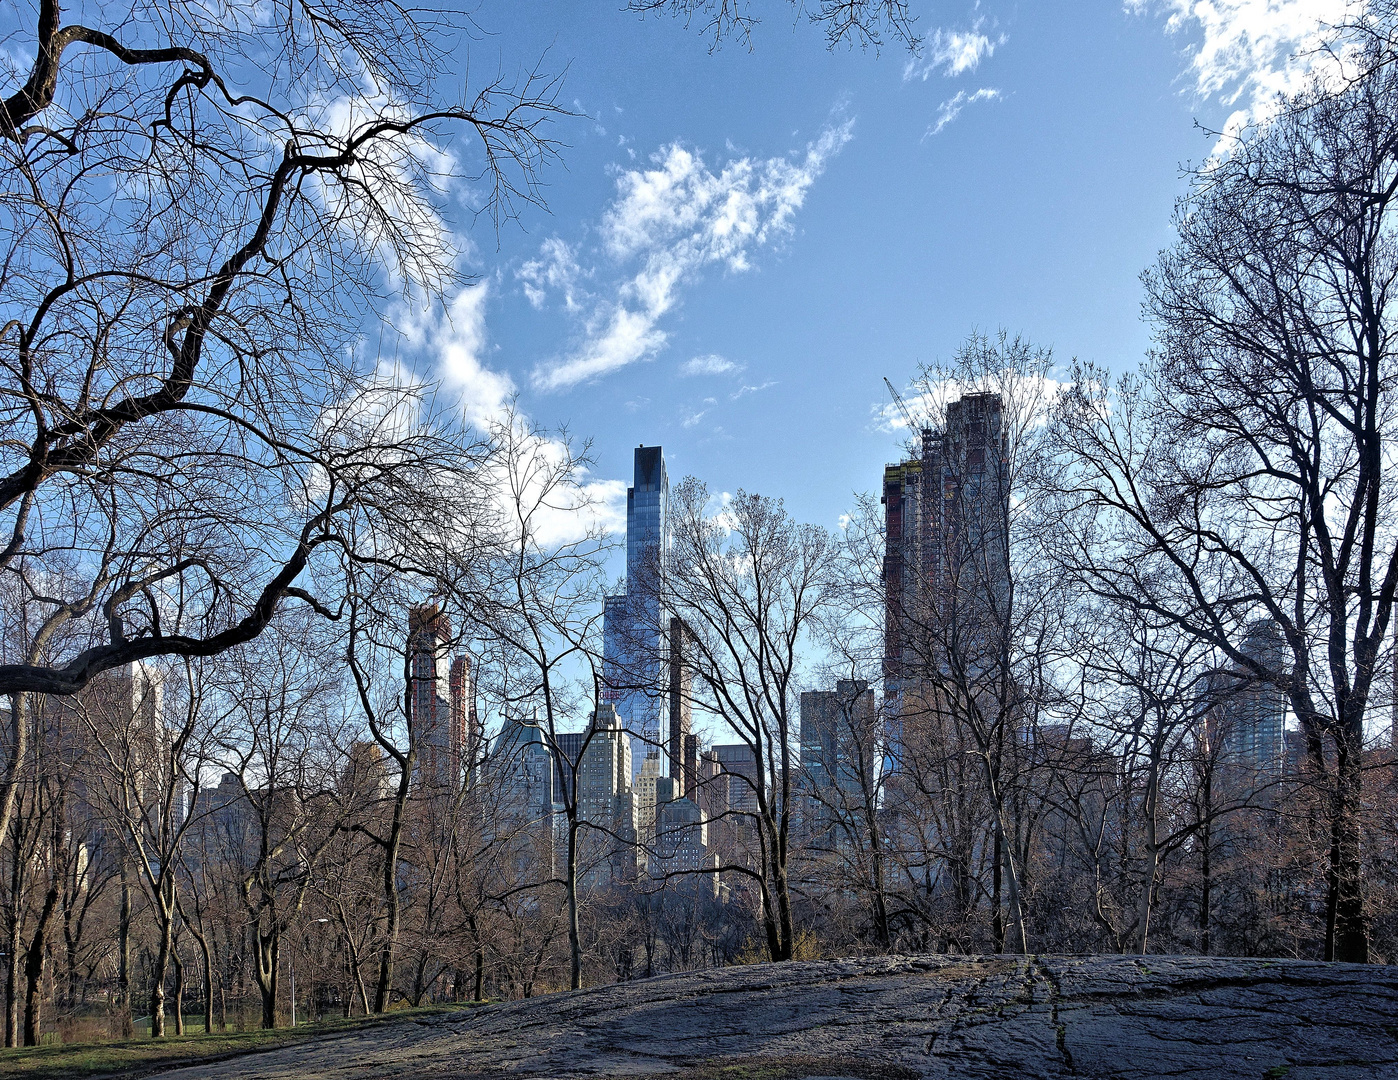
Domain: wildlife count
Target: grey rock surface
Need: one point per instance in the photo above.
(899, 1017)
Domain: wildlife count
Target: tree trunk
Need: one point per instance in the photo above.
(179, 989)
(207, 959)
(997, 918)
(268, 957)
(356, 970)
(1148, 872)
(383, 990)
(571, 882)
(123, 994)
(19, 736)
(882, 933)
(1348, 940)
(157, 983)
(12, 965)
(34, 965)
(784, 920)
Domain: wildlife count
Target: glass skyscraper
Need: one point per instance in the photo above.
(633, 668)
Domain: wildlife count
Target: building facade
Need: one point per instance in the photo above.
(633, 636)
(1244, 716)
(442, 719)
(946, 568)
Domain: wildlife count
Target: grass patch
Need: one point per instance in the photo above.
(139, 1057)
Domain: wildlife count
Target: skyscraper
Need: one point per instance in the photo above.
(1246, 716)
(522, 769)
(681, 838)
(647, 802)
(606, 798)
(677, 700)
(604, 770)
(832, 724)
(633, 645)
(442, 712)
(946, 566)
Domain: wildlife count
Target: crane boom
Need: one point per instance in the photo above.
(902, 406)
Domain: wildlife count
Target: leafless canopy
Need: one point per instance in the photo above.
(864, 23)
(197, 204)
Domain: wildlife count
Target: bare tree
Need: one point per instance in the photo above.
(749, 584)
(146, 766)
(540, 624)
(973, 618)
(195, 211)
(287, 705)
(1246, 474)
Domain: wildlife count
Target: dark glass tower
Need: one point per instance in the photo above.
(633, 638)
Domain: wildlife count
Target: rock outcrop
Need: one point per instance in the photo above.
(899, 1017)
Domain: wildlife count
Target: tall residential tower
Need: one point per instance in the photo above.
(633, 635)
(946, 566)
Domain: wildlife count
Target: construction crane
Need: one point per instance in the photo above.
(902, 407)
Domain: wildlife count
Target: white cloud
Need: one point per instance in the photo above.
(528, 481)
(712, 364)
(453, 340)
(674, 219)
(951, 52)
(556, 268)
(950, 109)
(1247, 52)
(742, 391)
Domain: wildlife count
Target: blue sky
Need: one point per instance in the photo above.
(741, 244)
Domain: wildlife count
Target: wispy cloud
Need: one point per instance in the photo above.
(451, 343)
(1247, 52)
(671, 221)
(452, 338)
(743, 391)
(952, 53)
(556, 268)
(712, 364)
(950, 109)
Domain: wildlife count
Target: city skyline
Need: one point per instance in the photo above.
(505, 499)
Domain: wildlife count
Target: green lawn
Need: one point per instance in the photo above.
(141, 1056)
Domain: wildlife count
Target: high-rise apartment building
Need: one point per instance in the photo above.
(522, 770)
(441, 699)
(569, 747)
(647, 800)
(604, 770)
(681, 840)
(606, 798)
(833, 724)
(743, 773)
(946, 559)
(633, 635)
(461, 684)
(712, 794)
(1245, 716)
